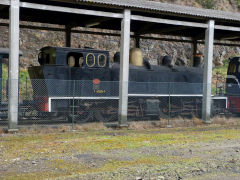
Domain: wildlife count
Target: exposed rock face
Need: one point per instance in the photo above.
(32, 40)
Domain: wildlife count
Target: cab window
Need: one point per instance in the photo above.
(75, 59)
(47, 57)
(232, 68)
(52, 58)
(71, 61)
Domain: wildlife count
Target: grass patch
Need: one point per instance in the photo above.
(208, 4)
(23, 73)
(34, 146)
(221, 70)
(66, 169)
(25, 87)
(54, 147)
(221, 73)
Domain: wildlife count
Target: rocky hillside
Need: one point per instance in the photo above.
(32, 40)
(224, 5)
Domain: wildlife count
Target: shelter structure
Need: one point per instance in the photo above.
(128, 16)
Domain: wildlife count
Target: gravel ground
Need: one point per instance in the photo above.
(218, 160)
(152, 154)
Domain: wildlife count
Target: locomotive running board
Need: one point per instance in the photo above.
(221, 98)
(132, 95)
(165, 95)
(78, 98)
(116, 98)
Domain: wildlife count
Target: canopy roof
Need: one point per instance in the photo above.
(139, 8)
(163, 8)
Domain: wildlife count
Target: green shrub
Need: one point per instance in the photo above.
(238, 2)
(208, 4)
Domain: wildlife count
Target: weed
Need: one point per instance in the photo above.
(208, 4)
(55, 147)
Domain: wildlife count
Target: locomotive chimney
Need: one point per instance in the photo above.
(136, 57)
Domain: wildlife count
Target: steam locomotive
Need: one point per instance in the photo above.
(83, 82)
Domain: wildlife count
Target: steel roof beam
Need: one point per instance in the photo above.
(168, 21)
(5, 2)
(118, 15)
(70, 10)
(227, 28)
(164, 30)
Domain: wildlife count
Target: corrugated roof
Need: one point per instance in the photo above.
(165, 8)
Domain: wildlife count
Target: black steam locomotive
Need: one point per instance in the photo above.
(83, 81)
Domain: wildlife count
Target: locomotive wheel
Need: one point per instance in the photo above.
(103, 117)
(213, 110)
(164, 113)
(85, 117)
(68, 119)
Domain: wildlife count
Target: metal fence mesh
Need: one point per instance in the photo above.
(71, 102)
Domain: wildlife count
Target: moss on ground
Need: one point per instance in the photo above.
(53, 146)
(29, 146)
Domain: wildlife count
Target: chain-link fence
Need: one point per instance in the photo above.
(74, 101)
(4, 102)
(71, 102)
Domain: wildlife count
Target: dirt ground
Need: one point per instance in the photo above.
(205, 152)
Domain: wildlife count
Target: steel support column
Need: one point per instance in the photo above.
(137, 40)
(13, 72)
(68, 36)
(124, 68)
(194, 50)
(207, 75)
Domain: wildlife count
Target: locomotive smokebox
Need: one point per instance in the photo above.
(197, 60)
(136, 57)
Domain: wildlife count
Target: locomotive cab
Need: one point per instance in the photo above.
(64, 71)
(233, 86)
(67, 63)
(47, 56)
(233, 76)
(73, 57)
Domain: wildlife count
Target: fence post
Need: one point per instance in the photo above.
(73, 103)
(169, 104)
(26, 96)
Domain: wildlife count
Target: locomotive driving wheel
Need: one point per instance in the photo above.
(85, 117)
(105, 116)
(164, 112)
(82, 118)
